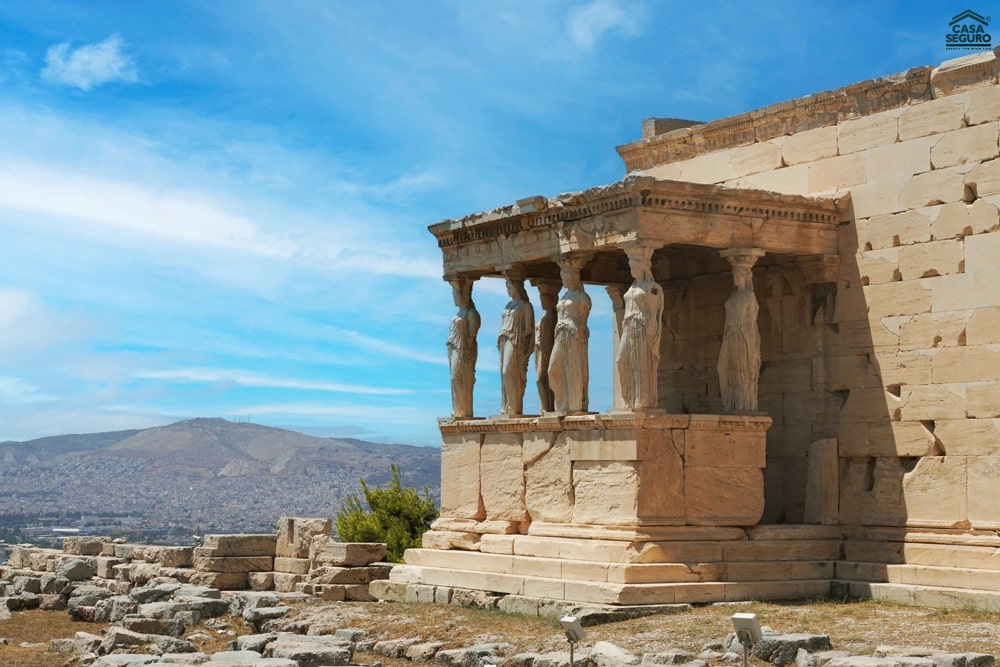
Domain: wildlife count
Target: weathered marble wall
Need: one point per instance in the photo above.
(793, 388)
(904, 365)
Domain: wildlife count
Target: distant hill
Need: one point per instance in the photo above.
(209, 471)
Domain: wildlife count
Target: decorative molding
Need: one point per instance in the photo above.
(807, 113)
(591, 208)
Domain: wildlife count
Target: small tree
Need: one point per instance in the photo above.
(396, 515)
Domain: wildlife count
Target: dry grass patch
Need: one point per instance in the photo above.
(854, 626)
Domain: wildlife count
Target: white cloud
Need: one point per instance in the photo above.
(14, 304)
(385, 347)
(176, 215)
(14, 390)
(588, 23)
(211, 375)
(90, 65)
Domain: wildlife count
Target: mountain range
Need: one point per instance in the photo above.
(237, 477)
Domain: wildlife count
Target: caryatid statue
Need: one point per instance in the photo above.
(516, 342)
(638, 354)
(545, 333)
(569, 372)
(739, 357)
(463, 349)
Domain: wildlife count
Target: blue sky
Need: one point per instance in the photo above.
(220, 209)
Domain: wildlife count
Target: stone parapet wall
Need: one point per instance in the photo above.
(622, 470)
(332, 570)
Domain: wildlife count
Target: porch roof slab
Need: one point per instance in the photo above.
(537, 230)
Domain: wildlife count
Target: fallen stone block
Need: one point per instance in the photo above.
(327, 592)
(243, 656)
(295, 535)
(395, 648)
(225, 581)
(56, 585)
(207, 607)
(260, 581)
(81, 545)
(176, 556)
(242, 564)
(240, 602)
(144, 594)
(674, 656)
(309, 654)
(358, 593)
(475, 655)
(106, 565)
(240, 545)
(863, 661)
(26, 584)
(339, 575)
(117, 637)
(806, 659)
(285, 582)
(167, 644)
(52, 602)
(423, 652)
(77, 569)
(324, 551)
(606, 654)
(126, 660)
(353, 635)
(782, 649)
(255, 642)
(292, 565)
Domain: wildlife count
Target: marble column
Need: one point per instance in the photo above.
(515, 342)
(569, 372)
(545, 331)
(463, 349)
(739, 357)
(637, 355)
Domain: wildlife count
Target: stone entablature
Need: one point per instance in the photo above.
(536, 232)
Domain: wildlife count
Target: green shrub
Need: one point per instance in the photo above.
(395, 514)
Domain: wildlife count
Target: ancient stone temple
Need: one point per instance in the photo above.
(806, 304)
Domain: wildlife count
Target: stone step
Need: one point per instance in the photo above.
(920, 575)
(935, 597)
(429, 583)
(625, 573)
(611, 551)
(973, 556)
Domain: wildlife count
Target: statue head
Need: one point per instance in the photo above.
(461, 290)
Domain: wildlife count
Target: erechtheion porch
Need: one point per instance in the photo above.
(806, 364)
(595, 487)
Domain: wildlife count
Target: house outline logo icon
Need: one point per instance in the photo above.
(967, 32)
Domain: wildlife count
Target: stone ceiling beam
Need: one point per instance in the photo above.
(536, 231)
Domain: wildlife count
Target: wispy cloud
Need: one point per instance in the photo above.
(168, 215)
(15, 390)
(14, 304)
(373, 344)
(245, 378)
(589, 23)
(89, 66)
(13, 64)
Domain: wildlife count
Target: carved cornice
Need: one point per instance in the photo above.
(819, 110)
(650, 419)
(636, 193)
